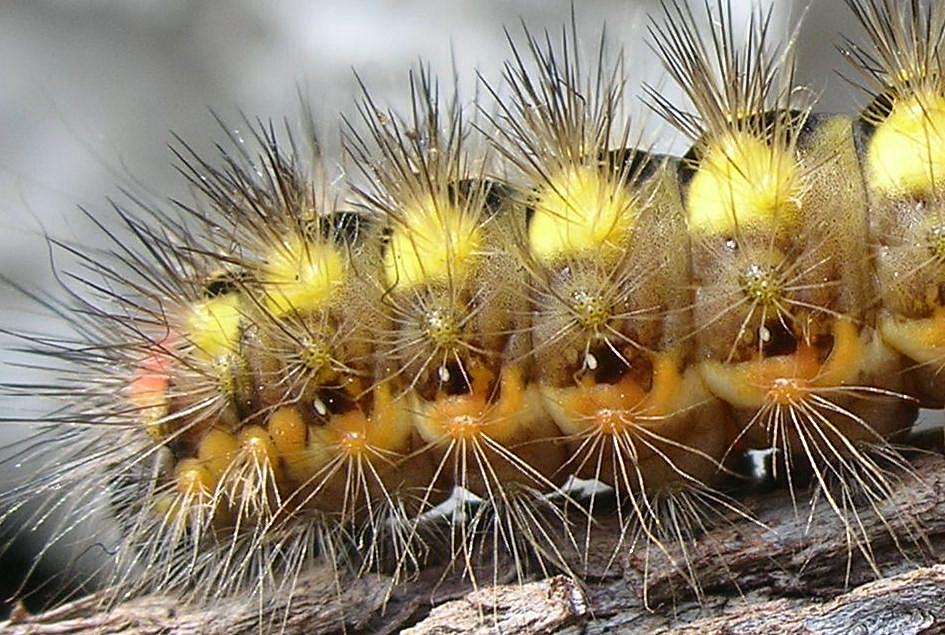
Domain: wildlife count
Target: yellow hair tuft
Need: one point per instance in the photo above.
(303, 276)
(433, 242)
(214, 325)
(580, 211)
(907, 152)
(743, 181)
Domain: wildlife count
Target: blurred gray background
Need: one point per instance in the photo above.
(91, 90)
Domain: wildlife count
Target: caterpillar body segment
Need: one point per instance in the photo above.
(340, 431)
(900, 144)
(613, 358)
(458, 353)
(785, 332)
(786, 311)
(606, 252)
(616, 376)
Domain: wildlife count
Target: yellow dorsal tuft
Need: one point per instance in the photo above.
(214, 325)
(433, 241)
(303, 276)
(743, 181)
(580, 210)
(907, 152)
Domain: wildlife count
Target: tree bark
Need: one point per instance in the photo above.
(787, 573)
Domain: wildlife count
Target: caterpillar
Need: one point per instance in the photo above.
(289, 374)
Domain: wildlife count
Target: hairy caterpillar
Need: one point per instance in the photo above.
(301, 381)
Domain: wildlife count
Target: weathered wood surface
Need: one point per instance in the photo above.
(788, 573)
